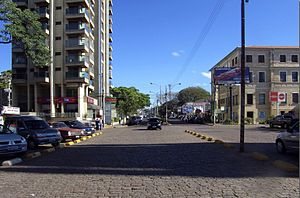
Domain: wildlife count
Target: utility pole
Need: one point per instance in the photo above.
(170, 92)
(51, 75)
(242, 124)
(166, 98)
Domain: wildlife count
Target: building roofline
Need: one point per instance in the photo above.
(255, 47)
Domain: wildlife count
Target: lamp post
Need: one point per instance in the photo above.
(166, 95)
(160, 94)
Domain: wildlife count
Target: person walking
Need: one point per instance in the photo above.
(97, 120)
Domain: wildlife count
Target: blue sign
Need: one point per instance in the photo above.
(230, 75)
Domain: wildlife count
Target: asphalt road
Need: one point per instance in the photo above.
(134, 162)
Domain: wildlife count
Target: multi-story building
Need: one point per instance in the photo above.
(75, 84)
(272, 69)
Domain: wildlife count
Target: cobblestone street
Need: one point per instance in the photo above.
(134, 162)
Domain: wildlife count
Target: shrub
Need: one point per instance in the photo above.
(263, 122)
(229, 122)
(248, 120)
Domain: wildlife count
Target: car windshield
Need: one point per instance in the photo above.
(59, 125)
(77, 124)
(4, 130)
(36, 124)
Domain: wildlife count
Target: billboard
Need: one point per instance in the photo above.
(230, 75)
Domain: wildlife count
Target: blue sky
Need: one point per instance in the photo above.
(152, 39)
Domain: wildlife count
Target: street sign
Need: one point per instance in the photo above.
(273, 96)
(281, 97)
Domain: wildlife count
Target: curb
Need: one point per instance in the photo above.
(285, 166)
(49, 150)
(259, 156)
(12, 162)
(69, 143)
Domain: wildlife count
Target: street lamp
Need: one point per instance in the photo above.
(160, 98)
(171, 86)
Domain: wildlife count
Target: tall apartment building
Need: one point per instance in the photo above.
(272, 69)
(79, 34)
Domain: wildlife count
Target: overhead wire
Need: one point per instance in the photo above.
(203, 34)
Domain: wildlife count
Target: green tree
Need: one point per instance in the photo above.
(5, 77)
(129, 100)
(23, 26)
(192, 94)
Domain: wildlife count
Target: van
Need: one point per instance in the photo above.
(34, 129)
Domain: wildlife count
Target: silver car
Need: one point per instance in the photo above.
(11, 143)
(288, 140)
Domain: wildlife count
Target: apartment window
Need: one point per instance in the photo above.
(261, 58)
(58, 8)
(282, 76)
(250, 99)
(232, 62)
(57, 53)
(249, 58)
(250, 77)
(72, 92)
(294, 76)
(294, 58)
(262, 99)
(58, 38)
(295, 97)
(58, 23)
(282, 58)
(236, 60)
(261, 76)
(57, 69)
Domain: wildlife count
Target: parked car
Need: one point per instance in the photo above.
(75, 124)
(34, 129)
(134, 120)
(66, 132)
(288, 140)
(154, 123)
(284, 121)
(11, 143)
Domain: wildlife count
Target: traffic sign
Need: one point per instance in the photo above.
(273, 96)
(281, 97)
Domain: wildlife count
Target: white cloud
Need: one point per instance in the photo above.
(206, 74)
(176, 54)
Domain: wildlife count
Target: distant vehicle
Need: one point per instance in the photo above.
(284, 121)
(11, 143)
(154, 123)
(34, 129)
(66, 132)
(288, 140)
(134, 120)
(75, 124)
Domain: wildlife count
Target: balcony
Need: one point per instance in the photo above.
(19, 78)
(42, 1)
(41, 77)
(18, 47)
(91, 72)
(110, 67)
(110, 48)
(86, 3)
(79, 13)
(110, 11)
(78, 29)
(43, 12)
(46, 28)
(21, 3)
(110, 56)
(77, 77)
(110, 75)
(110, 3)
(19, 62)
(92, 85)
(110, 39)
(110, 20)
(81, 45)
(81, 61)
(110, 29)
(92, 22)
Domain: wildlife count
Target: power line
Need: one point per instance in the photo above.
(211, 20)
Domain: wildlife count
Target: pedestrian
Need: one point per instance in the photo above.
(97, 120)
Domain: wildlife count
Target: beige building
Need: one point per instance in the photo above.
(272, 69)
(78, 80)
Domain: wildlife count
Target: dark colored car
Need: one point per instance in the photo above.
(154, 123)
(67, 132)
(134, 120)
(75, 124)
(35, 130)
(283, 121)
(288, 140)
(11, 143)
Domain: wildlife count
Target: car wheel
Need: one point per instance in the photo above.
(284, 126)
(55, 144)
(31, 144)
(280, 147)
